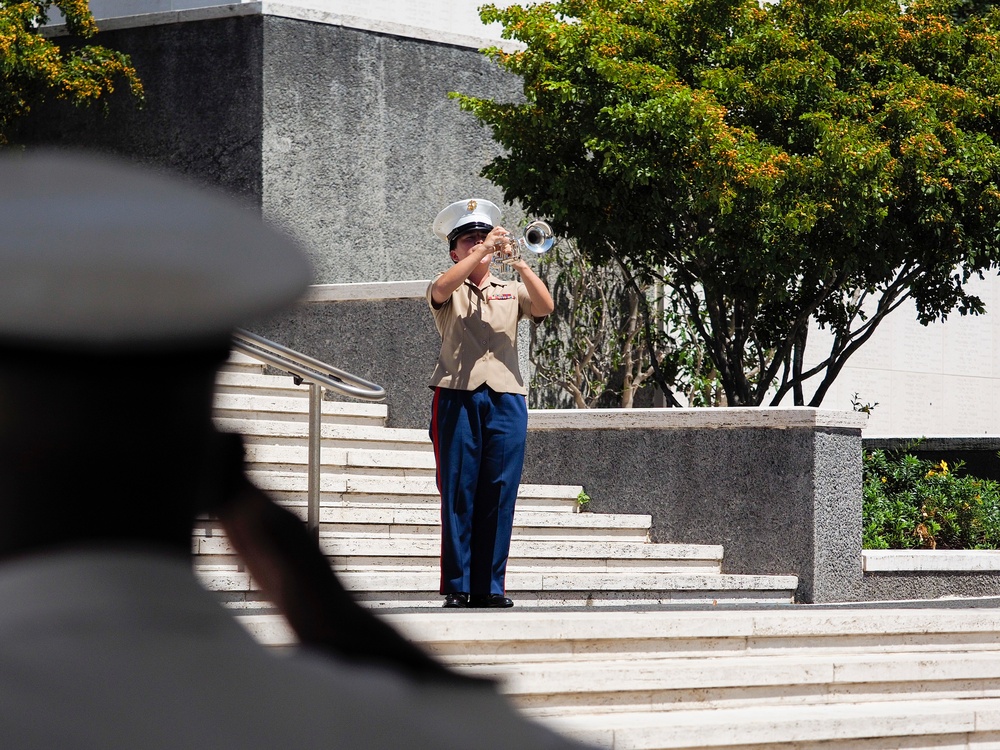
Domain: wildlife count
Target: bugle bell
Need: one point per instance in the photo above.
(537, 238)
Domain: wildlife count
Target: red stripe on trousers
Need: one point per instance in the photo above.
(437, 479)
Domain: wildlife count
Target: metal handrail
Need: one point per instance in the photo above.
(305, 369)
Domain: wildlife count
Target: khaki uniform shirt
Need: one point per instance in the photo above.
(478, 327)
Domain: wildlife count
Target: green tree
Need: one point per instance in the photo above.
(777, 166)
(33, 67)
(961, 10)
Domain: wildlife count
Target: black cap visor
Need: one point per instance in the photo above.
(475, 226)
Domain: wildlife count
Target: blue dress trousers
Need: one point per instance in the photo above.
(479, 439)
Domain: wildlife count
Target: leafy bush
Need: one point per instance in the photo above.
(911, 502)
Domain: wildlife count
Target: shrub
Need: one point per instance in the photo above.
(910, 502)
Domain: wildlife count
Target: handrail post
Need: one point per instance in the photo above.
(315, 428)
(306, 369)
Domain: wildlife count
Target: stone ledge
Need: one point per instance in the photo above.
(924, 723)
(934, 442)
(367, 291)
(930, 561)
(722, 417)
(151, 13)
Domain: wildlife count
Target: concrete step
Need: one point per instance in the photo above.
(394, 522)
(389, 463)
(607, 555)
(240, 362)
(250, 381)
(518, 637)
(523, 560)
(790, 677)
(528, 524)
(292, 408)
(465, 637)
(532, 589)
(900, 725)
(344, 489)
(423, 554)
(332, 435)
(248, 376)
(677, 684)
(261, 404)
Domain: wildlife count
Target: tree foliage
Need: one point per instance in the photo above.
(33, 67)
(778, 165)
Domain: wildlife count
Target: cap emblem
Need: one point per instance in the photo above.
(472, 206)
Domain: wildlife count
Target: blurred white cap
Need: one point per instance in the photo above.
(96, 253)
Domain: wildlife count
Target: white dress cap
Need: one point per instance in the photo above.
(100, 253)
(469, 211)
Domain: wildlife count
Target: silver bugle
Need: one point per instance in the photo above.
(537, 238)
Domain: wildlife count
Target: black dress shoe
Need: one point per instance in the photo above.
(490, 601)
(454, 601)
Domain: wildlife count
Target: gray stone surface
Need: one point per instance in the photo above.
(362, 146)
(391, 343)
(755, 491)
(346, 138)
(941, 585)
(203, 104)
(837, 515)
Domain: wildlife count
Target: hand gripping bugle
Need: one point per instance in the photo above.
(537, 239)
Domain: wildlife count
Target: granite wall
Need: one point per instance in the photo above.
(346, 138)
(782, 498)
(202, 114)
(362, 146)
(389, 342)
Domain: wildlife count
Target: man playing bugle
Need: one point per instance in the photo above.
(479, 414)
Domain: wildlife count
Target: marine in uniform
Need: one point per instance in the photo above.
(479, 416)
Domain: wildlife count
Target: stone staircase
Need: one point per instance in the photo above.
(614, 640)
(380, 517)
(722, 677)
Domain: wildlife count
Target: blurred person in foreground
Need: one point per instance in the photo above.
(119, 291)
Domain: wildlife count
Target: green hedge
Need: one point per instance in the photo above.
(911, 502)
